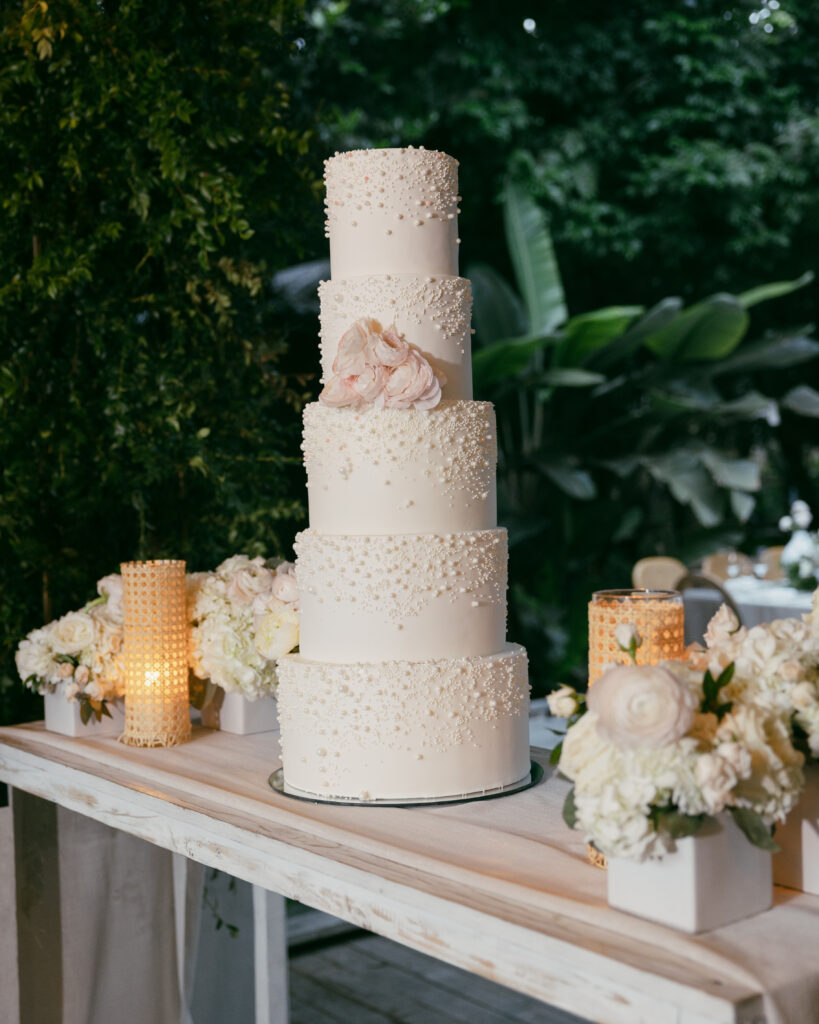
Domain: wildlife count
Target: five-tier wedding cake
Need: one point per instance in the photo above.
(404, 687)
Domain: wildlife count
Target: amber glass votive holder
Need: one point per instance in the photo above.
(155, 653)
(657, 615)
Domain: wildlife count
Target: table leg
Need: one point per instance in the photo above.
(270, 957)
(188, 885)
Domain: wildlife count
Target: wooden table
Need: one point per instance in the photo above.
(499, 887)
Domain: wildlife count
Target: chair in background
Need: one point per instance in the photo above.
(772, 558)
(659, 572)
(699, 581)
(725, 565)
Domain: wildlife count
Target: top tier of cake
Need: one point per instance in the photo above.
(392, 211)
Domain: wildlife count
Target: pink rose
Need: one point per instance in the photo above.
(285, 587)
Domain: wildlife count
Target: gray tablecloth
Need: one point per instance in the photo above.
(756, 600)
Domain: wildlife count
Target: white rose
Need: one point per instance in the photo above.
(626, 636)
(71, 691)
(803, 696)
(716, 778)
(248, 583)
(641, 706)
(72, 632)
(276, 630)
(721, 627)
(563, 702)
(81, 674)
(111, 587)
(65, 670)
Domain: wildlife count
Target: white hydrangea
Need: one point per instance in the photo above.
(244, 616)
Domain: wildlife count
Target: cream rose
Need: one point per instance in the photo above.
(246, 584)
(72, 633)
(722, 627)
(111, 588)
(627, 636)
(276, 629)
(641, 706)
(285, 587)
(803, 696)
(563, 702)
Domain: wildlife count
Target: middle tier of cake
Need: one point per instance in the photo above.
(396, 596)
(376, 471)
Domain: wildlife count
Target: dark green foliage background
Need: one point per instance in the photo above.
(154, 176)
(160, 161)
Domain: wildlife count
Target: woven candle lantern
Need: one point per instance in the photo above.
(155, 654)
(658, 616)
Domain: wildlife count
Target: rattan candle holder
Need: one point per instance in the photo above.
(155, 654)
(658, 615)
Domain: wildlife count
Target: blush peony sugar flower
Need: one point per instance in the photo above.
(376, 366)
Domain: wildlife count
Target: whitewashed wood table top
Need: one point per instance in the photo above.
(500, 887)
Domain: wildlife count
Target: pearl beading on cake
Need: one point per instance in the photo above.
(432, 312)
(446, 455)
(394, 577)
(416, 185)
(420, 711)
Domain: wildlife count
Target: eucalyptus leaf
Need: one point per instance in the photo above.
(754, 828)
(533, 259)
(569, 809)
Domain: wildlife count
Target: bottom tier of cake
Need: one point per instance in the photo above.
(401, 730)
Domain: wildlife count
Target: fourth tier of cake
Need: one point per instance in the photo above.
(404, 687)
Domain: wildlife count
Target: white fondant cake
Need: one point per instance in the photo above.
(404, 687)
(401, 470)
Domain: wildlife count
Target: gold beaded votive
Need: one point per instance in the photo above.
(658, 616)
(155, 654)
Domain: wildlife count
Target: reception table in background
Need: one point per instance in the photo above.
(757, 600)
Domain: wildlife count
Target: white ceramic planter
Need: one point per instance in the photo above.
(64, 716)
(710, 880)
(243, 716)
(796, 866)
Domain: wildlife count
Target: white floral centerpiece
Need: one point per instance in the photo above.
(776, 668)
(661, 748)
(244, 617)
(78, 655)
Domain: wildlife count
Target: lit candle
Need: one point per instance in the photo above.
(657, 615)
(155, 653)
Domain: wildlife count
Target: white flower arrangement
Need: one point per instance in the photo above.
(78, 655)
(776, 668)
(244, 617)
(660, 748)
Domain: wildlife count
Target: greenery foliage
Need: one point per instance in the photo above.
(154, 175)
(622, 431)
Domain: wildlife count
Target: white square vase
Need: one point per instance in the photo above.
(711, 879)
(796, 866)
(243, 716)
(63, 716)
